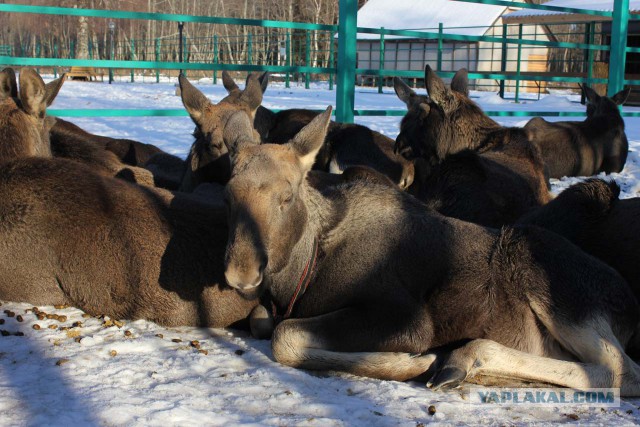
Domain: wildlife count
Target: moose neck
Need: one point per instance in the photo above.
(483, 130)
(283, 284)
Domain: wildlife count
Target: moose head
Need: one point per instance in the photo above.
(267, 207)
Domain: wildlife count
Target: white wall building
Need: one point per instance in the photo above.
(457, 18)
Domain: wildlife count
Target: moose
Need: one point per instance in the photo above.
(346, 144)
(368, 281)
(597, 144)
(466, 165)
(446, 121)
(591, 215)
(24, 130)
(28, 104)
(70, 235)
(128, 151)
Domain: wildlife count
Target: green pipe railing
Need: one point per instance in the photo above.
(106, 112)
(347, 66)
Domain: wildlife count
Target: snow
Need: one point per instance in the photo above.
(138, 374)
(465, 18)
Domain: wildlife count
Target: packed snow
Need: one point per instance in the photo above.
(76, 370)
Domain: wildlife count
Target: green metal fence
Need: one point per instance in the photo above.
(291, 51)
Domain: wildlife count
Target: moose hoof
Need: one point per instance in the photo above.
(447, 378)
(261, 323)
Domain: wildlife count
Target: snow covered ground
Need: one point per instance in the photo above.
(101, 372)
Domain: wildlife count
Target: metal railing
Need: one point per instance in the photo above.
(255, 59)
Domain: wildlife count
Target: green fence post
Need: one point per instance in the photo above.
(157, 59)
(619, 27)
(503, 58)
(331, 59)
(133, 56)
(307, 57)
(287, 79)
(381, 67)
(347, 46)
(439, 63)
(215, 58)
(518, 64)
(249, 48)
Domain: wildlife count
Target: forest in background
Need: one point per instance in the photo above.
(73, 37)
(90, 38)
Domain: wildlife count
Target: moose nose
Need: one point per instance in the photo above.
(243, 280)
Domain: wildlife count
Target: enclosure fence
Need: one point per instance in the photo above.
(306, 52)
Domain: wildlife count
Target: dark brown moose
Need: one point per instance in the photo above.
(25, 111)
(466, 165)
(590, 215)
(370, 281)
(71, 236)
(346, 144)
(597, 144)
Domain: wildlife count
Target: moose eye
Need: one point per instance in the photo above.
(285, 199)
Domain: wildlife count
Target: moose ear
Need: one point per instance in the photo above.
(193, 100)
(460, 82)
(228, 82)
(620, 97)
(404, 92)
(52, 88)
(8, 84)
(264, 81)
(32, 92)
(591, 94)
(238, 133)
(252, 94)
(435, 86)
(308, 142)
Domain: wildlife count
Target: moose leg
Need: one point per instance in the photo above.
(371, 343)
(603, 362)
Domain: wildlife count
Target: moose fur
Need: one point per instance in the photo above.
(393, 280)
(493, 188)
(346, 144)
(24, 131)
(597, 144)
(446, 121)
(71, 142)
(130, 152)
(590, 215)
(492, 182)
(69, 235)
(29, 132)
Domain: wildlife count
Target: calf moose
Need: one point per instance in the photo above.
(590, 215)
(446, 121)
(24, 131)
(597, 144)
(25, 111)
(346, 144)
(467, 166)
(71, 236)
(381, 281)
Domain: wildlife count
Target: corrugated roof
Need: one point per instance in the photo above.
(548, 15)
(426, 15)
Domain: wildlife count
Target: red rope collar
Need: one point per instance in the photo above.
(305, 279)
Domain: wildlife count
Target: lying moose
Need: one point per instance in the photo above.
(597, 144)
(368, 281)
